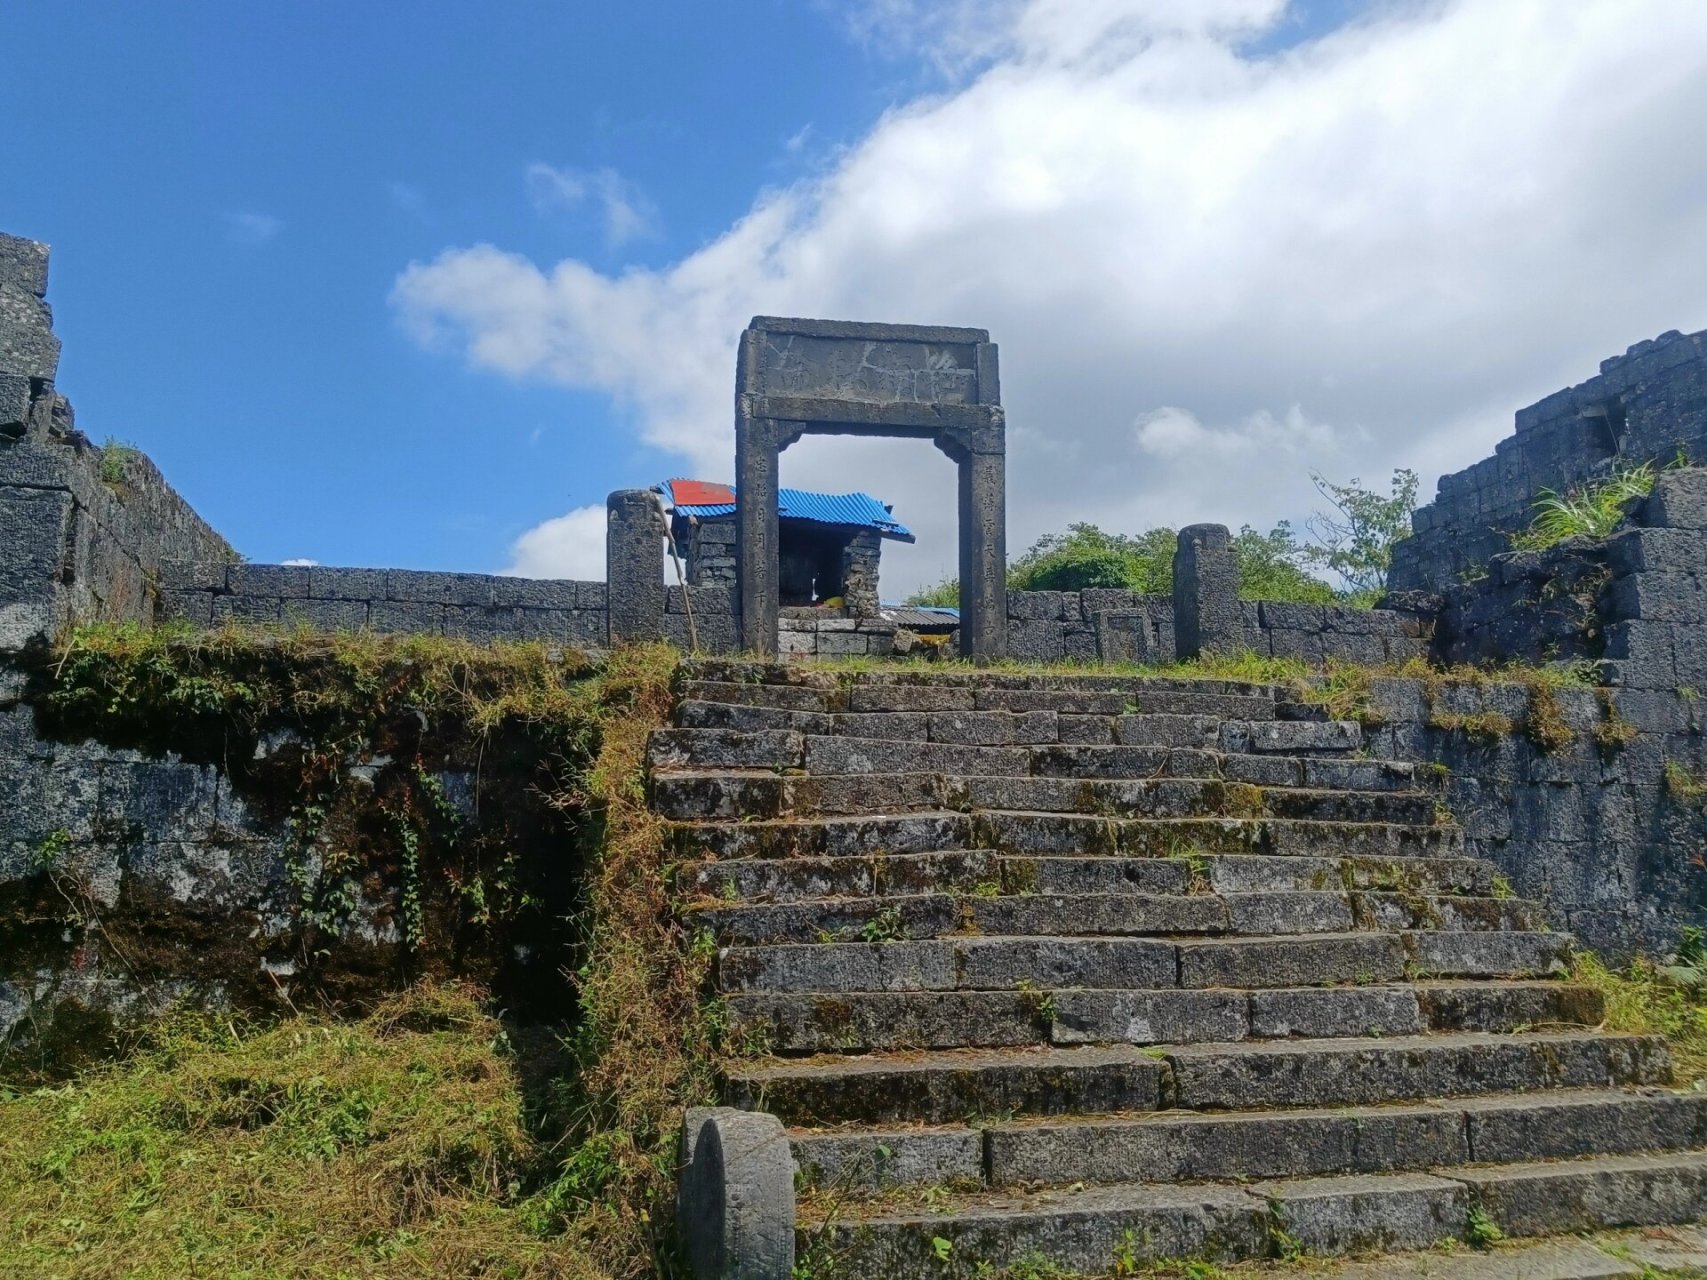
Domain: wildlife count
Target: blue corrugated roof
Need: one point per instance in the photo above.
(859, 510)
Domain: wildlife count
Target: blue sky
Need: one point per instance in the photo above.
(230, 191)
(389, 290)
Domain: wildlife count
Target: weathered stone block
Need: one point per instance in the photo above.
(346, 584)
(1095, 600)
(634, 566)
(1037, 606)
(1036, 641)
(407, 617)
(193, 607)
(256, 609)
(1679, 500)
(193, 575)
(417, 586)
(23, 264)
(14, 402)
(326, 615)
(535, 593)
(27, 345)
(279, 580)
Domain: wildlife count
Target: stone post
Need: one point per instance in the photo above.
(1207, 615)
(634, 565)
(984, 551)
(757, 536)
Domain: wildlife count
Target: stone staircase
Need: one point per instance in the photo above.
(1092, 970)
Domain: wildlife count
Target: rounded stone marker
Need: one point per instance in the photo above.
(735, 1196)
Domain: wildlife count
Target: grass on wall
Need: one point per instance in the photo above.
(1591, 510)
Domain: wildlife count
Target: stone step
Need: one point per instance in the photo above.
(971, 962)
(861, 1022)
(843, 837)
(1084, 1232)
(966, 754)
(1082, 834)
(1071, 680)
(1172, 1146)
(887, 918)
(1290, 1144)
(1566, 1259)
(942, 1085)
(933, 1087)
(799, 879)
(1361, 1071)
(735, 795)
(1553, 1197)
(696, 713)
(725, 749)
(785, 697)
(1195, 798)
(1291, 737)
(985, 873)
(1242, 873)
(1129, 1225)
(740, 794)
(965, 963)
(1387, 848)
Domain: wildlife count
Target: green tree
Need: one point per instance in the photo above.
(1086, 556)
(1355, 539)
(1271, 565)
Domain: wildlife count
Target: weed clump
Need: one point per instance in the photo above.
(1591, 510)
(1649, 999)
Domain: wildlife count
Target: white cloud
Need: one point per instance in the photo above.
(1405, 229)
(1171, 433)
(251, 228)
(625, 209)
(302, 563)
(569, 546)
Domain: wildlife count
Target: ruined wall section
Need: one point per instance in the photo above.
(1112, 625)
(85, 529)
(1643, 406)
(1635, 604)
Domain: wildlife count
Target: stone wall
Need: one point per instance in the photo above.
(1635, 603)
(134, 876)
(1590, 826)
(707, 548)
(472, 605)
(84, 529)
(832, 633)
(1644, 406)
(1112, 625)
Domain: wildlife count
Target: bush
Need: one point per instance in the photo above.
(1271, 566)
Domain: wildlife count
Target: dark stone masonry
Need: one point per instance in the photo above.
(1647, 405)
(1587, 798)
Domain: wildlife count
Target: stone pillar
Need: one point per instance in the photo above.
(757, 539)
(984, 550)
(634, 565)
(1207, 615)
